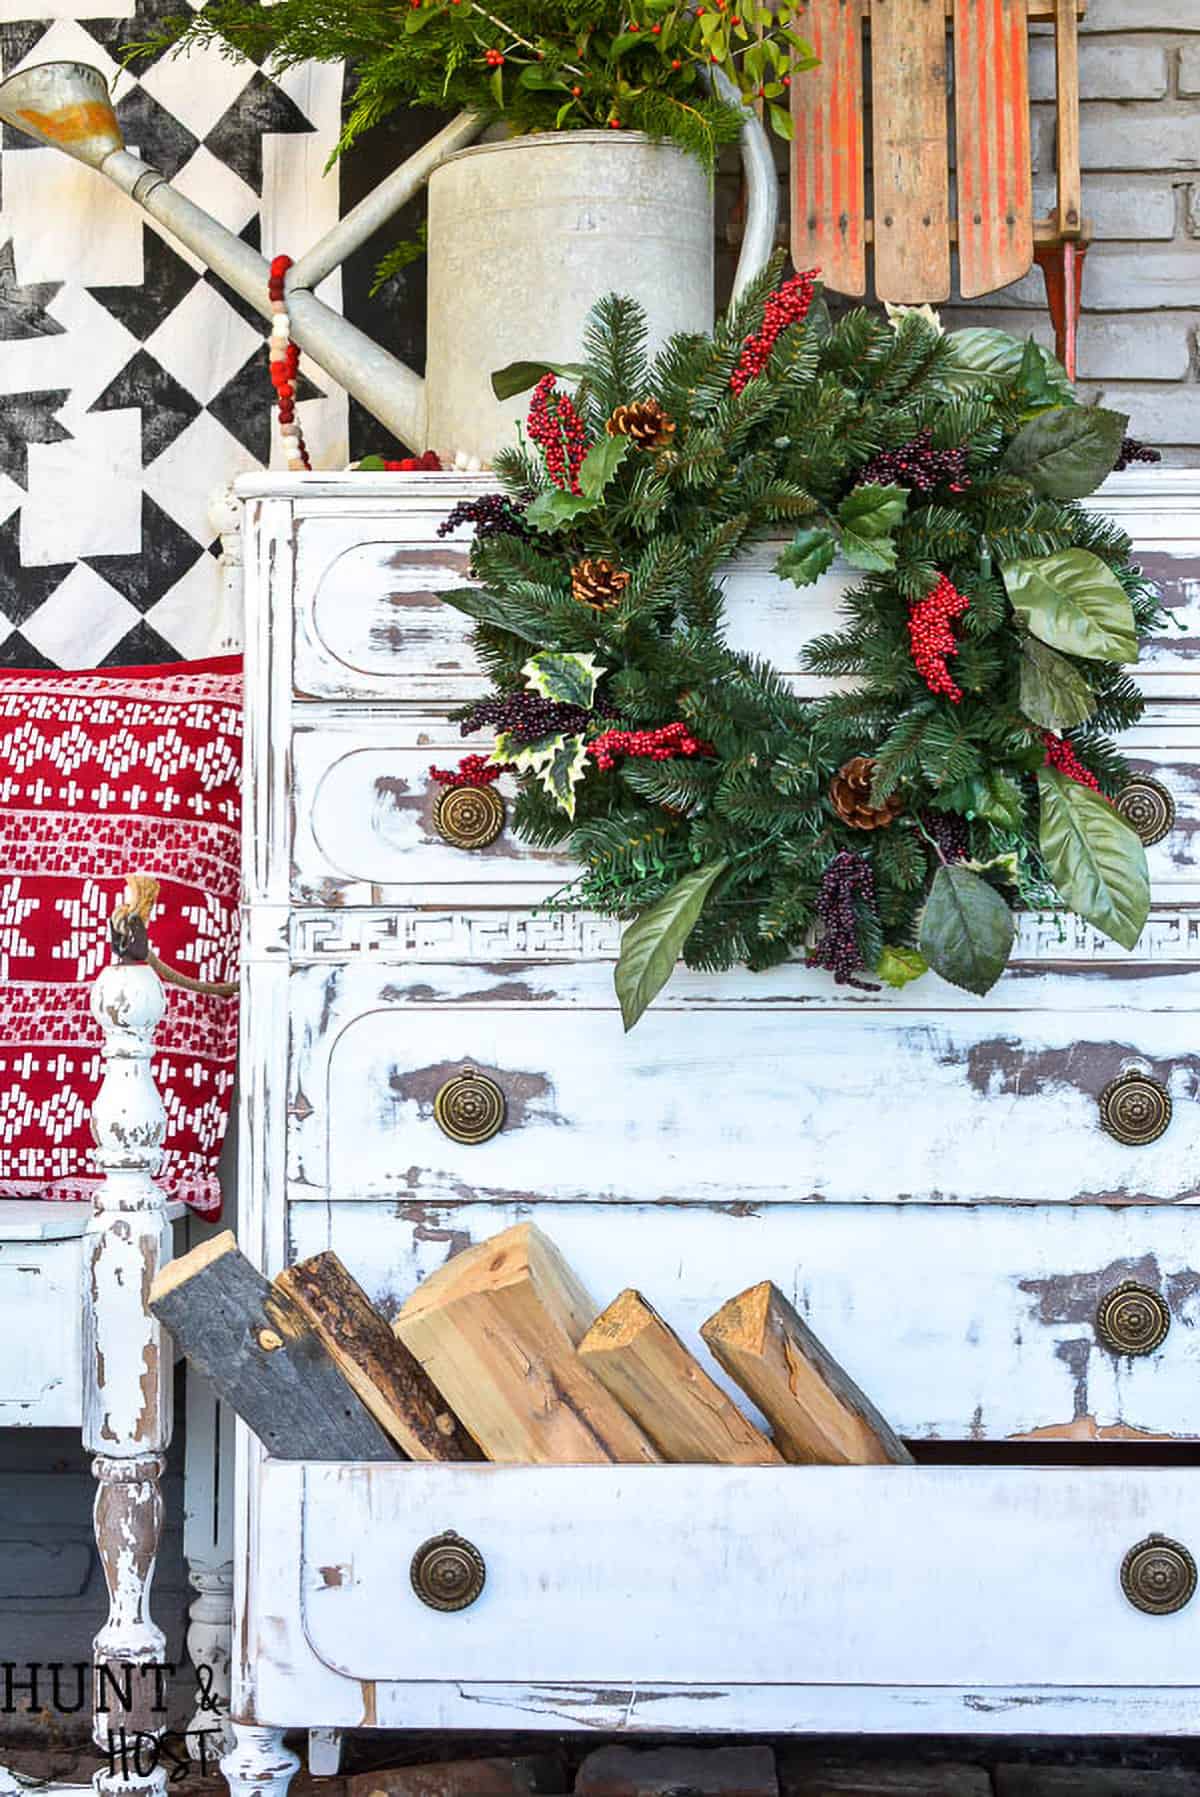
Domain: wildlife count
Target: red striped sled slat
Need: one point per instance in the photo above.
(995, 206)
(828, 197)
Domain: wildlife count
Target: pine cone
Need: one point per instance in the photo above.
(598, 583)
(850, 791)
(644, 423)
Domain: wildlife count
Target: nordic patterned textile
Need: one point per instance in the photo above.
(104, 774)
(133, 383)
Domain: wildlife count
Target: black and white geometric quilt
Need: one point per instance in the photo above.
(133, 384)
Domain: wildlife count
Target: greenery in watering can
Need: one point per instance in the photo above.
(540, 65)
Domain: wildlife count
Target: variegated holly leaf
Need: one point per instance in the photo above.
(526, 757)
(561, 771)
(562, 675)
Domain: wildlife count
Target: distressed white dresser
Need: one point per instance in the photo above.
(926, 1173)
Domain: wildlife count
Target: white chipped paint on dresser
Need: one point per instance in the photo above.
(925, 1174)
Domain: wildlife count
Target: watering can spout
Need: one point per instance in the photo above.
(65, 105)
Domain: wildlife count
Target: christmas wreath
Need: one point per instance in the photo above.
(964, 767)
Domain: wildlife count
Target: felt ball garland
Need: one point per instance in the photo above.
(284, 365)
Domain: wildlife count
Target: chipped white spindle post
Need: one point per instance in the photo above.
(126, 1367)
(225, 517)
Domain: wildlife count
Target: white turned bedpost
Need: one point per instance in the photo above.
(208, 1550)
(225, 517)
(126, 1367)
(259, 1764)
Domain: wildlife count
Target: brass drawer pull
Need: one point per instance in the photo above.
(1147, 807)
(469, 817)
(1158, 1575)
(447, 1572)
(1132, 1319)
(1135, 1108)
(470, 1107)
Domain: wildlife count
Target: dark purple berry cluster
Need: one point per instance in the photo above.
(493, 515)
(950, 833)
(918, 466)
(526, 717)
(1133, 451)
(846, 883)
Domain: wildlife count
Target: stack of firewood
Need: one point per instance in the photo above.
(500, 1355)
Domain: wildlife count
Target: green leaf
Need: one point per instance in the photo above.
(559, 674)
(992, 796)
(876, 555)
(1074, 602)
(873, 511)
(1065, 454)
(1034, 382)
(898, 966)
(966, 930)
(654, 941)
(371, 464)
(1093, 857)
(551, 511)
(519, 377)
(601, 463)
(562, 771)
(1054, 694)
(539, 79)
(497, 86)
(418, 17)
(986, 357)
(782, 122)
(807, 556)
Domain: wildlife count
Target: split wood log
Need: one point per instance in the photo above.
(263, 1357)
(496, 1330)
(400, 1396)
(646, 1367)
(818, 1416)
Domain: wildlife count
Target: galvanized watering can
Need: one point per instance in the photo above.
(524, 236)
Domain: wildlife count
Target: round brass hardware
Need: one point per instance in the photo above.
(1132, 1319)
(470, 1108)
(1135, 1109)
(469, 817)
(1158, 1575)
(447, 1572)
(1147, 807)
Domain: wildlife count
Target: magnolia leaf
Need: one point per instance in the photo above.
(550, 511)
(654, 941)
(1095, 860)
(876, 554)
(966, 930)
(991, 796)
(519, 377)
(807, 556)
(1074, 602)
(562, 771)
(601, 463)
(1065, 454)
(898, 966)
(559, 674)
(1054, 694)
(873, 511)
(986, 357)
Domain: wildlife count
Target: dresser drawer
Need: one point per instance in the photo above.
(41, 1363)
(774, 1087)
(365, 825)
(763, 1575)
(962, 1322)
(369, 623)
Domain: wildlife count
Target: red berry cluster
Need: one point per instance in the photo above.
(429, 463)
(646, 745)
(918, 466)
(472, 770)
(787, 305)
(932, 639)
(1061, 756)
(284, 365)
(557, 429)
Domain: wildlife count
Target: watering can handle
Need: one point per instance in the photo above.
(762, 197)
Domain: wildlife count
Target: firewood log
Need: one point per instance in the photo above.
(818, 1416)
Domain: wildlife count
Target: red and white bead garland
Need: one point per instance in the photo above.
(284, 366)
(932, 639)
